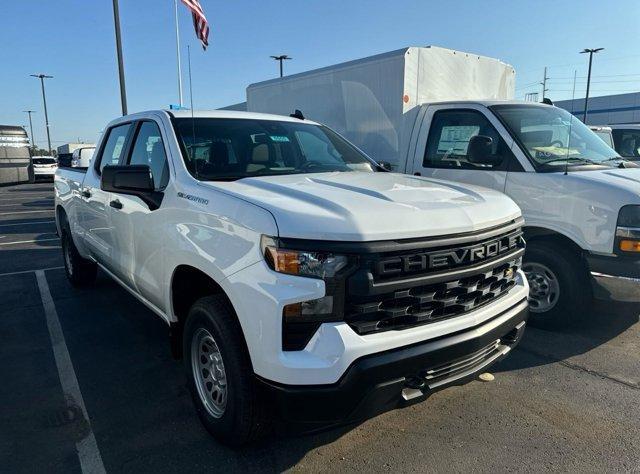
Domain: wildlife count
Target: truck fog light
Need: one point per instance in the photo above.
(307, 309)
(300, 321)
(630, 245)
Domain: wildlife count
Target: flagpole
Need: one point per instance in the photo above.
(123, 92)
(175, 2)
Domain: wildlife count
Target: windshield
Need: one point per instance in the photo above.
(552, 137)
(228, 149)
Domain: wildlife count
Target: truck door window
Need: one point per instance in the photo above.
(452, 132)
(148, 149)
(114, 146)
(627, 142)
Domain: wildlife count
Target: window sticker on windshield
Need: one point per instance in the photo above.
(279, 138)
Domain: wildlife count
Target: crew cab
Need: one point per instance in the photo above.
(299, 280)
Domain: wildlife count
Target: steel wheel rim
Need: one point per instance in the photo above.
(544, 287)
(209, 373)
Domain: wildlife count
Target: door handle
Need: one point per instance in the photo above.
(85, 193)
(417, 173)
(116, 204)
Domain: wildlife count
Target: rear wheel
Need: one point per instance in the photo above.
(220, 375)
(79, 270)
(558, 288)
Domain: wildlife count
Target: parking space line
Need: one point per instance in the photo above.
(27, 223)
(24, 212)
(31, 271)
(29, 241)
(87, 448)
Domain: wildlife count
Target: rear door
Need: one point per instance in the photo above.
(443, 149)
(94, 216)
(138, 246)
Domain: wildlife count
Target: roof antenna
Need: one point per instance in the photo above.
(566, 157)
(193, 122)
(297, 114)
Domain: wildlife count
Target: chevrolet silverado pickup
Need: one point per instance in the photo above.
(299, 280)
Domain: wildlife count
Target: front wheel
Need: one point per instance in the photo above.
(558, 288)
(220, 375)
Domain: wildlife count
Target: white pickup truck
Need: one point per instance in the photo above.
(298, 279)
(448, 114)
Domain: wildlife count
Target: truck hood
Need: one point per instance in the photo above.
(626, 180)
(354, 206)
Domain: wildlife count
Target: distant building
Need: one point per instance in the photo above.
(242, 107)
(606, 109)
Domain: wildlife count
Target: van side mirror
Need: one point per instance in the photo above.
(134, 180)
(480, 151)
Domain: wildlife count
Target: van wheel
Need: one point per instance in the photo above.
(220, 375)
(558, 288)
(79, 270)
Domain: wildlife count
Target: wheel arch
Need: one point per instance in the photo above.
(188, 284)
(541, 234)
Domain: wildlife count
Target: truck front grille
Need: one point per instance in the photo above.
(376, 303)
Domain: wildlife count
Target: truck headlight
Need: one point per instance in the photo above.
(302, 263)
(301, 320)
(628, 230)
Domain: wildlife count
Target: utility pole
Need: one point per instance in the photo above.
(42, 77)
(544, 83)
(33, 140)
(123, 92)
(281, 59)
(586, 97)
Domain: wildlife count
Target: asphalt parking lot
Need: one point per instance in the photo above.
(565, 401)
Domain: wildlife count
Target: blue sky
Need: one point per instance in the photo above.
(73, 40)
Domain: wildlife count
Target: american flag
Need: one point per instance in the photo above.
(199, 21)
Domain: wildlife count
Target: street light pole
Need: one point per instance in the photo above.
(42, 77)
(280, 59)
(33, 140)
(123, 92)
(586, 97)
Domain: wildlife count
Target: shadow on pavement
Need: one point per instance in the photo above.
(603, 324)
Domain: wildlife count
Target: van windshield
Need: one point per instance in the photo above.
(227, 149)
(553, 138)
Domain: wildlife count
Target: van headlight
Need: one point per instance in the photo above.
(302, 263)
(628, 230)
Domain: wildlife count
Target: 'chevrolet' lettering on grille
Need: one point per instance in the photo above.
(442, 259)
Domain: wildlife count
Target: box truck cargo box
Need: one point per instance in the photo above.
(369, 100)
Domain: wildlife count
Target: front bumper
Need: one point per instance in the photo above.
(394, 378)
(614, 278)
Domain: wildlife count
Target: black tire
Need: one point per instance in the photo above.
(544, 262)
(80, 271)
(244, 418)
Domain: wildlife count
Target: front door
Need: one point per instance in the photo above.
(139, 244)
(464, 145)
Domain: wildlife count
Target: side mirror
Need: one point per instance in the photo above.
(480, 151)
(134, 180)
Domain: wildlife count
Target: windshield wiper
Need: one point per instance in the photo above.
(574, 159)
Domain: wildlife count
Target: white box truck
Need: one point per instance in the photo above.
(373, 101)
(450, 115)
